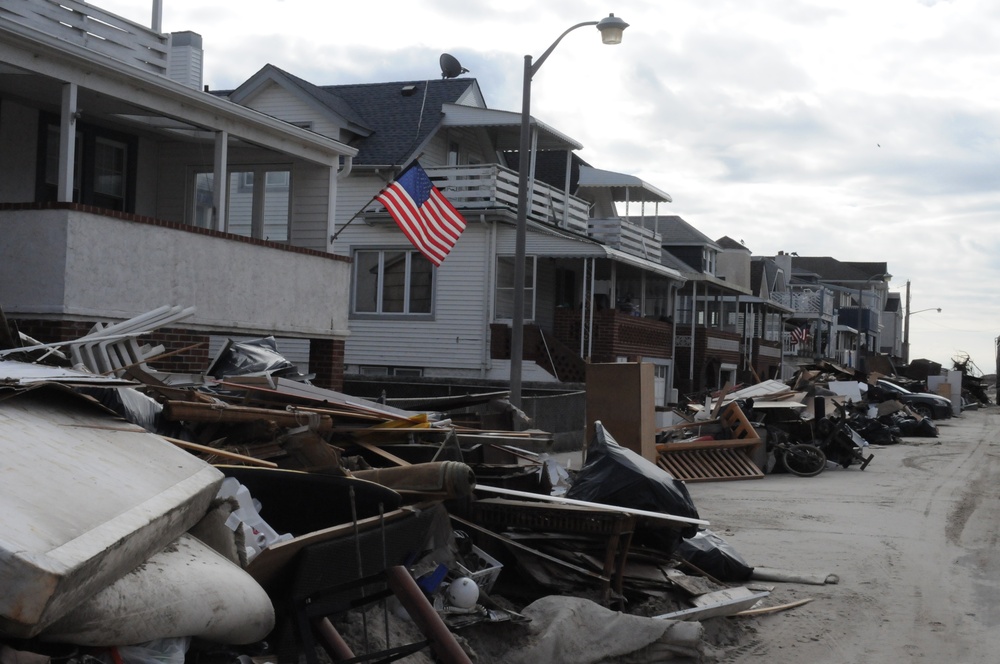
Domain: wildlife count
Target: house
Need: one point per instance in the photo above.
(728, 326)
(125, 185)
(595, 287)
(846, 308)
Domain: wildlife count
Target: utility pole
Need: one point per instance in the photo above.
(906, 326)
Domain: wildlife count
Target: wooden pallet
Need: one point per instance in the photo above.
(710, 461)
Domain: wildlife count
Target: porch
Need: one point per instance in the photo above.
(561, 352)
(65, 266)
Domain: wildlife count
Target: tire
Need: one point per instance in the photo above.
(803, 459)
(923, 410)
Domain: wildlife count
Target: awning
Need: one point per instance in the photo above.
(623, 187)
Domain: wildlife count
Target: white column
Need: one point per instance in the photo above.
(220, 180)
(331, 209)
(67, 143)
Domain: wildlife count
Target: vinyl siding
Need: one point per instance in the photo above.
(456, 337)
(277, 102)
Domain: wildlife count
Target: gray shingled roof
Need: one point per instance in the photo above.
(401, 120)
(676, 231)
(727, 242)
(830, 269)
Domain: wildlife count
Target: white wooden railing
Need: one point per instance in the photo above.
(627, 236)
(85, 25)
(806, 301)
(492, 186)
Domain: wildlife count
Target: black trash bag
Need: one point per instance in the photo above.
(250, 358)
(926, 429)
(130, 404)
(714, 556)
(614, 475)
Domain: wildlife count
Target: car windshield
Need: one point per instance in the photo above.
(894, 387)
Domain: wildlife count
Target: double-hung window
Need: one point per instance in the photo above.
(392, 281)
(506, 282)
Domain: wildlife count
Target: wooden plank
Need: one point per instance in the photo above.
(389, 456)
(232, 456)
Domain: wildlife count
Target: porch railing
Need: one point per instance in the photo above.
(627, 236)
(85, 25)
(818, 302)
(491, 186)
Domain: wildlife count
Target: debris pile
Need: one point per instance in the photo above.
(244, 512)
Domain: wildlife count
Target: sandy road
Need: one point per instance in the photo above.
(913, 539)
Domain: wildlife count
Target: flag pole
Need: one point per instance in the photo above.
(333, 237)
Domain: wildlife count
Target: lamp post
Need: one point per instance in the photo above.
(906, 324)
(611, 29)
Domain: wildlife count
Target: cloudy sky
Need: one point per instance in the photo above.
(866, 131)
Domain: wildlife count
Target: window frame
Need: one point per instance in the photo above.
(379, 314)
(254, 180)
(530, 290)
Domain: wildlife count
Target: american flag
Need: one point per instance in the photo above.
(800, 335)
(421, 211)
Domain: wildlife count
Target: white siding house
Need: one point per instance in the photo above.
(407, 318)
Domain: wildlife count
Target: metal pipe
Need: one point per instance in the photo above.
(422, 613)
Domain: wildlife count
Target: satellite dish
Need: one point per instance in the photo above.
(450, 66)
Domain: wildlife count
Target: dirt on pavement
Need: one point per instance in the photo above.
(913, 540)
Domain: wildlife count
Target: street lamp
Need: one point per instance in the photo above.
(906, 324)
(611, 29)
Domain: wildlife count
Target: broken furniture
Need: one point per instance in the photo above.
(87, 498)
(611, 530)
(727, 455)
(360, 563)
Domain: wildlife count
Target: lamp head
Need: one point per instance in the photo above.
(611, 29)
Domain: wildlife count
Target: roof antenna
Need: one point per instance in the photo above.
(450, 66)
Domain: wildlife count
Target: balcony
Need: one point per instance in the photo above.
(627, 236)
(85, 25)
(73, 262)
(807, 303)
(615, 334)
(494, 187)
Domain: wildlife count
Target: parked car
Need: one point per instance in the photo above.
(924, 404)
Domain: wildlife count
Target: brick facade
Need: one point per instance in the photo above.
(326, 361)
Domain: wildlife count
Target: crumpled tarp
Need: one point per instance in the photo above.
(573, 629)
(615, 475)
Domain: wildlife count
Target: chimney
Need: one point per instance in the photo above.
(184, 63)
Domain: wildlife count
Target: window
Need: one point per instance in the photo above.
(505, 288)
(258, 202)
(103, 169)
(392, 282)
(367, 370)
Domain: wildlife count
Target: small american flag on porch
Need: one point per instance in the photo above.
(800, 335)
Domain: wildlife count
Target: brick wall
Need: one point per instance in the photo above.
(326, 360)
